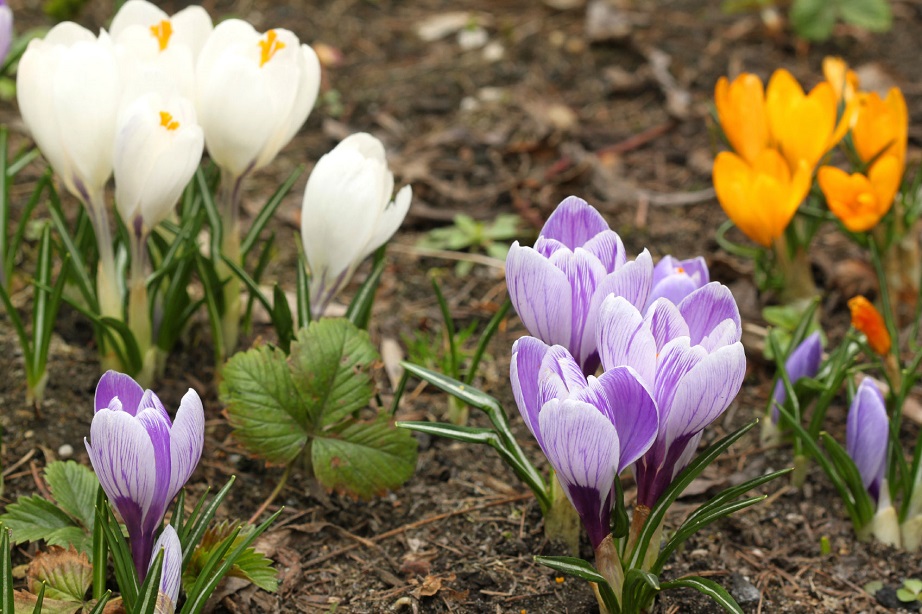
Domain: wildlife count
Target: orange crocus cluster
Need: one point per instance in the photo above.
(778, 136)
(879, 132)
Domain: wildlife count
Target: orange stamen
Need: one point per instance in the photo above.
(162, 32)
(269, 47)
(167, 121)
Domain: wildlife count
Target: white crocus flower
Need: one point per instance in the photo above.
(348, 213)
(158, 52)
(254, 91)
(158, 147)
(68, 89)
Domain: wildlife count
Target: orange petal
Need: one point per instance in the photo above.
(741, 112)
(868, 320)
(851, 198)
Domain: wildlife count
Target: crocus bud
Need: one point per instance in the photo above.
(761, 198)
(866, 319)
(171, 571)
(254, 91)
(844, 81)
(558, 286)
(158, 147)
(882, 125)
(804, 361)
(348, 212)
(141, 458)
(6, 30)
(590, 431)
(867, 431)
(690, 357)
(158, 52)
(68, 89)
(675, 279)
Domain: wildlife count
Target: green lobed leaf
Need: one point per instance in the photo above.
(872, 15)
(250, 565)
(66, 574)
(74, 487)
(813, 19)
(364, 458)
(264, 406)
(34, 518)
(330, 362)
(706, 587)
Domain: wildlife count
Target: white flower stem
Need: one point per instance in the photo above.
(138, 307)
(229, 204)
(108, 288)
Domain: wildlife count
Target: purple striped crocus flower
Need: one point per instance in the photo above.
(690, 357)
(141, 458)
(558, 286)
(804, 361)
(867, 430)
(6, 30)
(590, 430)
(171, 572)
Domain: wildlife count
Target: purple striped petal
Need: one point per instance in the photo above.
(675, 361)
(867, 433)
(171, 572)
(665, 323)
(583, 272)
(560, 377)
(704, 393)
(675, 279)
(574, 222)
(113, 384)
(707, 307)
(187, 440)
(540, 293)
(625, 339)
(583, 447)
(608, 248)
(527, 357)
(622, 397)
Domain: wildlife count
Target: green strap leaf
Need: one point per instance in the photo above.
(6, 570)
(359, 311)
(150, 590)
(197, 523)
(580, 568)
(268, 211)
(706, 587)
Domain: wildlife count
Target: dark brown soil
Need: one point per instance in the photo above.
(555, 115)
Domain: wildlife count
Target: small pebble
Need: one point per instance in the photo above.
(66, 451)
(743, 590)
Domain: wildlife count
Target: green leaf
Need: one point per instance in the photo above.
(872, 15)
(365, 458)
(706, 587)
(264, 407)
(6, 571)
(813, 19)
(905, 595)
(74, 487)
(250, 565)
(150, 589)
(584, 570)
(330, 362)
(34, 518)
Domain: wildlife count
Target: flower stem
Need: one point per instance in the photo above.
(609, 565)
(796, 273)
(229, 203)
(561, 522)
(108, 288)
(138, 307)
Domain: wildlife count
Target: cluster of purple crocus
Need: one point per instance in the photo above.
(668, 341)
(142, 460)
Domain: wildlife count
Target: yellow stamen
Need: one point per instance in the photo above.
(269, 47)
(167, 121)
(162, 32)
(679, 269)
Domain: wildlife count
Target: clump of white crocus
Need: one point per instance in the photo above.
(68, 88)
(158, 146)
(348, 212)
(154, 47)
(253, 93)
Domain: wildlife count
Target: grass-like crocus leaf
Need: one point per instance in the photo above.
(584, 570)
(706, 587)
(6, 570)
(359, 310)
(126, 576)
(268, 210)
(195, 526)
(150, 589)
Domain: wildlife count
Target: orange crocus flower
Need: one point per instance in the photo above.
(843, 80)
(803, 126)
(858, 200)
(866, 319)
(741, 112)
(762, 198)
(881, 124)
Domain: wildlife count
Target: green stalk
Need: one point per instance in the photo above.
(229, 204)
(561, 522)
(108, 288)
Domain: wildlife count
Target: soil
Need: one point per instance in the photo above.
(540, 113)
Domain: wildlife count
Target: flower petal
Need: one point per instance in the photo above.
(540, 294)
(560, 377)
(171, 572)
(113, 384)
(187, 438)
(665, 322)
(623, 398)
(625, 339)
(583, 272)
(867, 433)
(583, 447)
(608, 248)
(574, 222)
(527, 356)
(707, 307)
